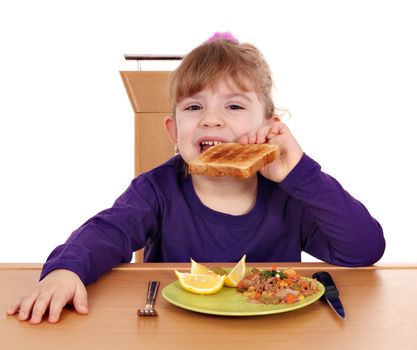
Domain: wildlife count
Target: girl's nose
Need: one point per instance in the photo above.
(212, 119)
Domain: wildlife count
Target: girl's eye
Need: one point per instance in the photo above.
(234, 107)
(193, 108)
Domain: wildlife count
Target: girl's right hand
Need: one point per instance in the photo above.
(57, 289)
(290, 152)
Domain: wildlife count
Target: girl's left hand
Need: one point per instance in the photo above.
(290, 151)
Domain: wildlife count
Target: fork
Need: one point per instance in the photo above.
(148, 310)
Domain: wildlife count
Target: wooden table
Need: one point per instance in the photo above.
(380, 304)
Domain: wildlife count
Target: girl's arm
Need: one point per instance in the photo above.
(104, 241)
(110, 237)
(336, 227)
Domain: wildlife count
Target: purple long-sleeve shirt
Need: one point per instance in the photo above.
(309, 211)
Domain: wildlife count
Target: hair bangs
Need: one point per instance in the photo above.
(210, 62)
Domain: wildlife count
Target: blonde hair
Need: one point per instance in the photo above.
(218, 59)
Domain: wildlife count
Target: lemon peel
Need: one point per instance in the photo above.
(237, 273)
(200, 283)
(199, 269)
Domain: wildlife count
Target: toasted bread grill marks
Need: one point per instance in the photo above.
(233, 159)
(230, 153)
(224, 153)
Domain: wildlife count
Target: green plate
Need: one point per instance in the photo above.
(229, 302)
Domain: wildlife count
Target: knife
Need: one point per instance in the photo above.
(331, 294)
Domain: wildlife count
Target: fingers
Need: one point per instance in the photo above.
(57, 304)
(26, 306)
(32, 306)
(54, 292)
(255, 136)
(275, 130)
(80, 300)
(39, 307)
(14, 308)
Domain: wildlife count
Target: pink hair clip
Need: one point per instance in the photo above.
(223, 36)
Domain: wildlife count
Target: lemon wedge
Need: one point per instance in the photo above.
(200, 284)
(199, 269)
(236, 274)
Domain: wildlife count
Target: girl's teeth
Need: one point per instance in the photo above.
(211, 143)
(205, 145)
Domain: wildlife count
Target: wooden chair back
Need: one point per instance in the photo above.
(148, 95)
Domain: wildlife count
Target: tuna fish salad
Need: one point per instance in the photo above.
(276, 287)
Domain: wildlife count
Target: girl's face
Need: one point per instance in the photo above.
(219, 113)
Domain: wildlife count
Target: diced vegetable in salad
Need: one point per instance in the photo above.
(276, 287)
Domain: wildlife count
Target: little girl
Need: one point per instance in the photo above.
(221, 92)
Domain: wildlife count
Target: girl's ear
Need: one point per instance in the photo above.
(274, 119)
(171, 128)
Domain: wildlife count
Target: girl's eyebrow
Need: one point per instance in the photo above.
(244, 96)
(228, 96)
(193, 97)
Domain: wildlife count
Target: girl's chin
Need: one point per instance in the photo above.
(188, 157)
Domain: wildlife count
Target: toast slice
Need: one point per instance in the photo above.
(233, 159)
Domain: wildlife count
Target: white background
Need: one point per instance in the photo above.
(345, 69)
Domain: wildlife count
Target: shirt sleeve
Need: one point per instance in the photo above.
(110, 237)
(336, 227)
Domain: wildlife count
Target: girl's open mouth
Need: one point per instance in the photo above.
(205, 145)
